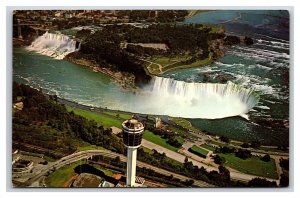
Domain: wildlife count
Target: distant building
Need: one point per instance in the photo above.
(158, 123)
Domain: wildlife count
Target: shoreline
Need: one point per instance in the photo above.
(124, 79)
(101, 109)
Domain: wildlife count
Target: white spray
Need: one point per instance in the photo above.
(54, 45)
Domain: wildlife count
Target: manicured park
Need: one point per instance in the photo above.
(148, 135)
(101, 119)
(253, 165)
(198, 151)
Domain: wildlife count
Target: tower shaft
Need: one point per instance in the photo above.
(131, 166)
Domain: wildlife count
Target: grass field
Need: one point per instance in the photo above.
(208, 147)
(148, 135)
(164, 60)
(101, 119)
(183, 66)
(182, 132)
(253, 165)
(107, 122)
(198, 151)
(121, 115)
(185, 123)
(62, 175)
(105, 171)
(179, 139)
(217, 143)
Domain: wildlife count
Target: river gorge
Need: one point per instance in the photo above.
(257, 88)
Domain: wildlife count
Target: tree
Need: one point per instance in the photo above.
(117, 159)
(266, 158)
(224, 173)
(258, 182)
(218, 159)
(284, 163)
(186, 159)
(284, 180)
(224, 139)
(243, 154)
(245, 145)
(189, 182)
(255, 144)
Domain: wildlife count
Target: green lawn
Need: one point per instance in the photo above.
(179, 139)
(165, 60)
(121, 115)
(101, 119)
(217, 143)
(105, 171)
(198, 151)
(208, 147)
(158, 140)
(184, 123)
(252, 165)
(182, 132)
(154, 68)
(183, 66)
(62, 175)
(146, 150)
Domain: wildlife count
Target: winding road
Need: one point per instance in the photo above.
(88, 154)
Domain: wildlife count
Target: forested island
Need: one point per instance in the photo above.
(139, 51)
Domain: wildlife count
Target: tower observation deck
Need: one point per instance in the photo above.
(132, 137)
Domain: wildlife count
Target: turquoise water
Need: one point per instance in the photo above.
(67, 80)
(263, 67)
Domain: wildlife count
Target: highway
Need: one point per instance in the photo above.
(89, 153)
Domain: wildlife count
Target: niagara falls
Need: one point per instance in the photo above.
(199, 100)
(54, 45)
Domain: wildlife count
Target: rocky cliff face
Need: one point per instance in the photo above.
(217, 48)
(217, 45)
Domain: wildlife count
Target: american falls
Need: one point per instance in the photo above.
(54, 45)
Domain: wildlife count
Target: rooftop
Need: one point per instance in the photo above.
(133, 124)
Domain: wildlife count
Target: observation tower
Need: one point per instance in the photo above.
(132, 137)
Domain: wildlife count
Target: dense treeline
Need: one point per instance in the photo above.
(178, 38)
(47, 124)
(163, 16)
(104, 48)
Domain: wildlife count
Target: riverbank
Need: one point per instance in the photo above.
(181, 122)
(125, 79)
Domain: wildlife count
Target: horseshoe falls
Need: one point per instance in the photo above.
(54, 45)
(200, 100)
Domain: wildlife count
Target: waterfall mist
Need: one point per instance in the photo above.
(167, 96)
(54, 45)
